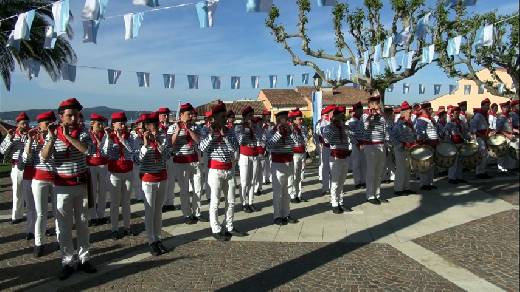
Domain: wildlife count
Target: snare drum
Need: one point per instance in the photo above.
(470, 154)
(445, 154)
(497, 145)
(421, 157)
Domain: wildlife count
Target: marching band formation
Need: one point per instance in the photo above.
(76, 166)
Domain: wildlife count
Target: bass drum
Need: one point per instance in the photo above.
(470, 154)
(497, 146)
(421, 157)
(445, 155)
(514, 148)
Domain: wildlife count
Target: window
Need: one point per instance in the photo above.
(481, 89)
(467, 89)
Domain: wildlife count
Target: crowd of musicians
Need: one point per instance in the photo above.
(75, 166)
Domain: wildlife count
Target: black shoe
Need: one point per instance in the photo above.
(246, 209)
(400, 193)
(290, 220)
(219, 236)
(382, 200)
(162, 248)
(453, 181)
(115, 235)
(461, 181)
(189, 220)
(267, 182)
(167, 208)
(200, 219)
(50, 232)
(29, 236)
(253, 208)
(258, 193)
(335, 210)
(16, 221)
(432, 187)
(92, 222)
(278, 221)
(345, 209)
(66, 272)
(302, 200)
(227, 235)
(298, 200)
(425, 188)
(374, 201)
(102, 221)
(364, 185)
(87, 267)
(238, 233)
(293, 201)
(409, 192)
(38, 251)
(128, 232)
(154, 249)
(359, 186)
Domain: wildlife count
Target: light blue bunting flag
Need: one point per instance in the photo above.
(403, 37)
(467, 89)
(90, 30)
(387, 46)
(452, 88)
(408, 59)
(454, 46)
(94, 9)
(259, 5)
(133, 24)
(305, 78)
(235, 82)
(169, 81)
(422, 26)
(484, 36)
(193, 81)
(377, 53)
(392, 64)
(290, 80)
(272, 81)
(348, 72)
(481, 89)
(113, 76)
(22, 28)
(406, 88)
(501, 88)
(422, 88)
(376, 69)
(50, 37)
(255, 81)
(150, 3)
(206, 12)
(215, 82)
(436, 89)
(61, 15)
(143, 79)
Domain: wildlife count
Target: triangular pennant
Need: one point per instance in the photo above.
(113, 75)
(143, 79)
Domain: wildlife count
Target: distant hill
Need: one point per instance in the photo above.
(102, 110)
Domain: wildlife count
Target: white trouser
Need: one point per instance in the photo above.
(248, 167)
(325, 168)
(169, 184)
(375, 157)
(154, 193)
(41, 191)
(203, 166)
(455, 171)
(481, 167)
(186, 173)
(402, 169)
(120, 188)
(98, 182)
(221, 181)
(260, 167)
(16, 180)
(280, 172)
(338, 174)
(389, 173)
(30, 212)
(137, 188)
(72, 201)
(267, 167)
(295, 180)
(358, 165)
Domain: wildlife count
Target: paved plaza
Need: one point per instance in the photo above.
(455, 238)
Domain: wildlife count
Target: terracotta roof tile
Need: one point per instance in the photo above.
(284, 98)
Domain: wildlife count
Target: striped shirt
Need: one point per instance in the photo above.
(336, 136)
(247, 136)
(137, 142)
(375, 129)
(319, 128)
(44, 169)
(504, 124)
(152, 158)
(456, 131)
(184, 144)
(479, 124)
(402, 132)
(120, 155)
(278, 144)
(300, 136)
(356, 128)
(425, 129)
(13, 148)
(220, 148)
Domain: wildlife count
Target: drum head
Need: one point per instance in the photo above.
(421, 153)
(497, 140)
(468, 149)
(447, 149)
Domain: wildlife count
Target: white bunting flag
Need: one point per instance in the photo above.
(501, 88)
(215, 82)
(259, 5)
(68, 72)
(61, 15)
(94, 9)
(113, 75)
(90, 30)
(150, 3)
(387, 46)
(322, 3)
(255, 81)
(272, 81)
(348, 72)
(290, 80)
(363, 67)
(50, 37)
(484, 36)
(436, 89)
(392, 64)
(193, 81)
(143, 79)
(133, 24)
(376, 69)
(428, 54)
(206, 12)
(377, 53)
(169, 80)
(408, 59)
(422, 88)
(481, 89)
(235, 82)
(454, 46)
(406, 88)
(22, 28)
(305, 78)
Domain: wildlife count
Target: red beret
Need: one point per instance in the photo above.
(46, 116)
(118, 117)
(247, 109)
(514, 102)
(397, 110)
(485, 101)
(70, 103)
(256, 120)
(357, 105)
(207, 114)
(405, 106)
(151, 118)
(340, 110)
(96, 117)
(163, 110)
(22, 117)
(230, 113)
(281, 113)
(374, 98)
(450, 106)
(507, 103)
(141, 118)
(328, 109)
(185, 107)
(295, 113)
(426, 105)
(455, 109)
(266, 112)
(218, 108)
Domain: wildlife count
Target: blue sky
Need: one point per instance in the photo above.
(170, 41)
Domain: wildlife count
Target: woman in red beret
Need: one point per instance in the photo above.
(136, 136)
(300, 134)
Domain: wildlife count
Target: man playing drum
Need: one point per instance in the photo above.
(479, 128)
(457, 133)
(504, 126)
(426, 135)
(403, 138)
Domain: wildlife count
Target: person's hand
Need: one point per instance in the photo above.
(108, 131)
(222, 132)
(51, 131)
(178, 128)
(146, 137)
(66, 131)
(119, 134)
(33, 133)
(10, 133)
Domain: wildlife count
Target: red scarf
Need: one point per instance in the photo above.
(492, 113)
(116, 140)
(426, 116)
(155, 146)
(163, 127)
(506, 114)
(99, 135)
(74, 134)
(230, 125)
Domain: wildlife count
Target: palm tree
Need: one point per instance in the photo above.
(51, 59)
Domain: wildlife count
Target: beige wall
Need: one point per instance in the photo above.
(474, 98)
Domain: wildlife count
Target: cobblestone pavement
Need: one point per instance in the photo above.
(488, 247)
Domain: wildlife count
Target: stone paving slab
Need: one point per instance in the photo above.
(488, 247)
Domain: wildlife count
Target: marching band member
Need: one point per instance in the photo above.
(280, 143)
(463, 105)
(479, 127)
(492, 116)
(416, 111)
(300, 134)
(97, 165)
(136, 136)
(356, 128)
(164, 124)
(152, 157)
(68, 146)
(373, 146)
(256, 123)
(248, 158)
(442, 121)
(230, 124)
(220, 145)
(326, 113)
(389, 172)
(426, 135)
(118, 149)
(12, 147)
(336, 135)
(504, 126)
(457, 132)
(403, 138)
(184, 139)
(27, 167)
(265, 160)
(42, 185)
(203, 163)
